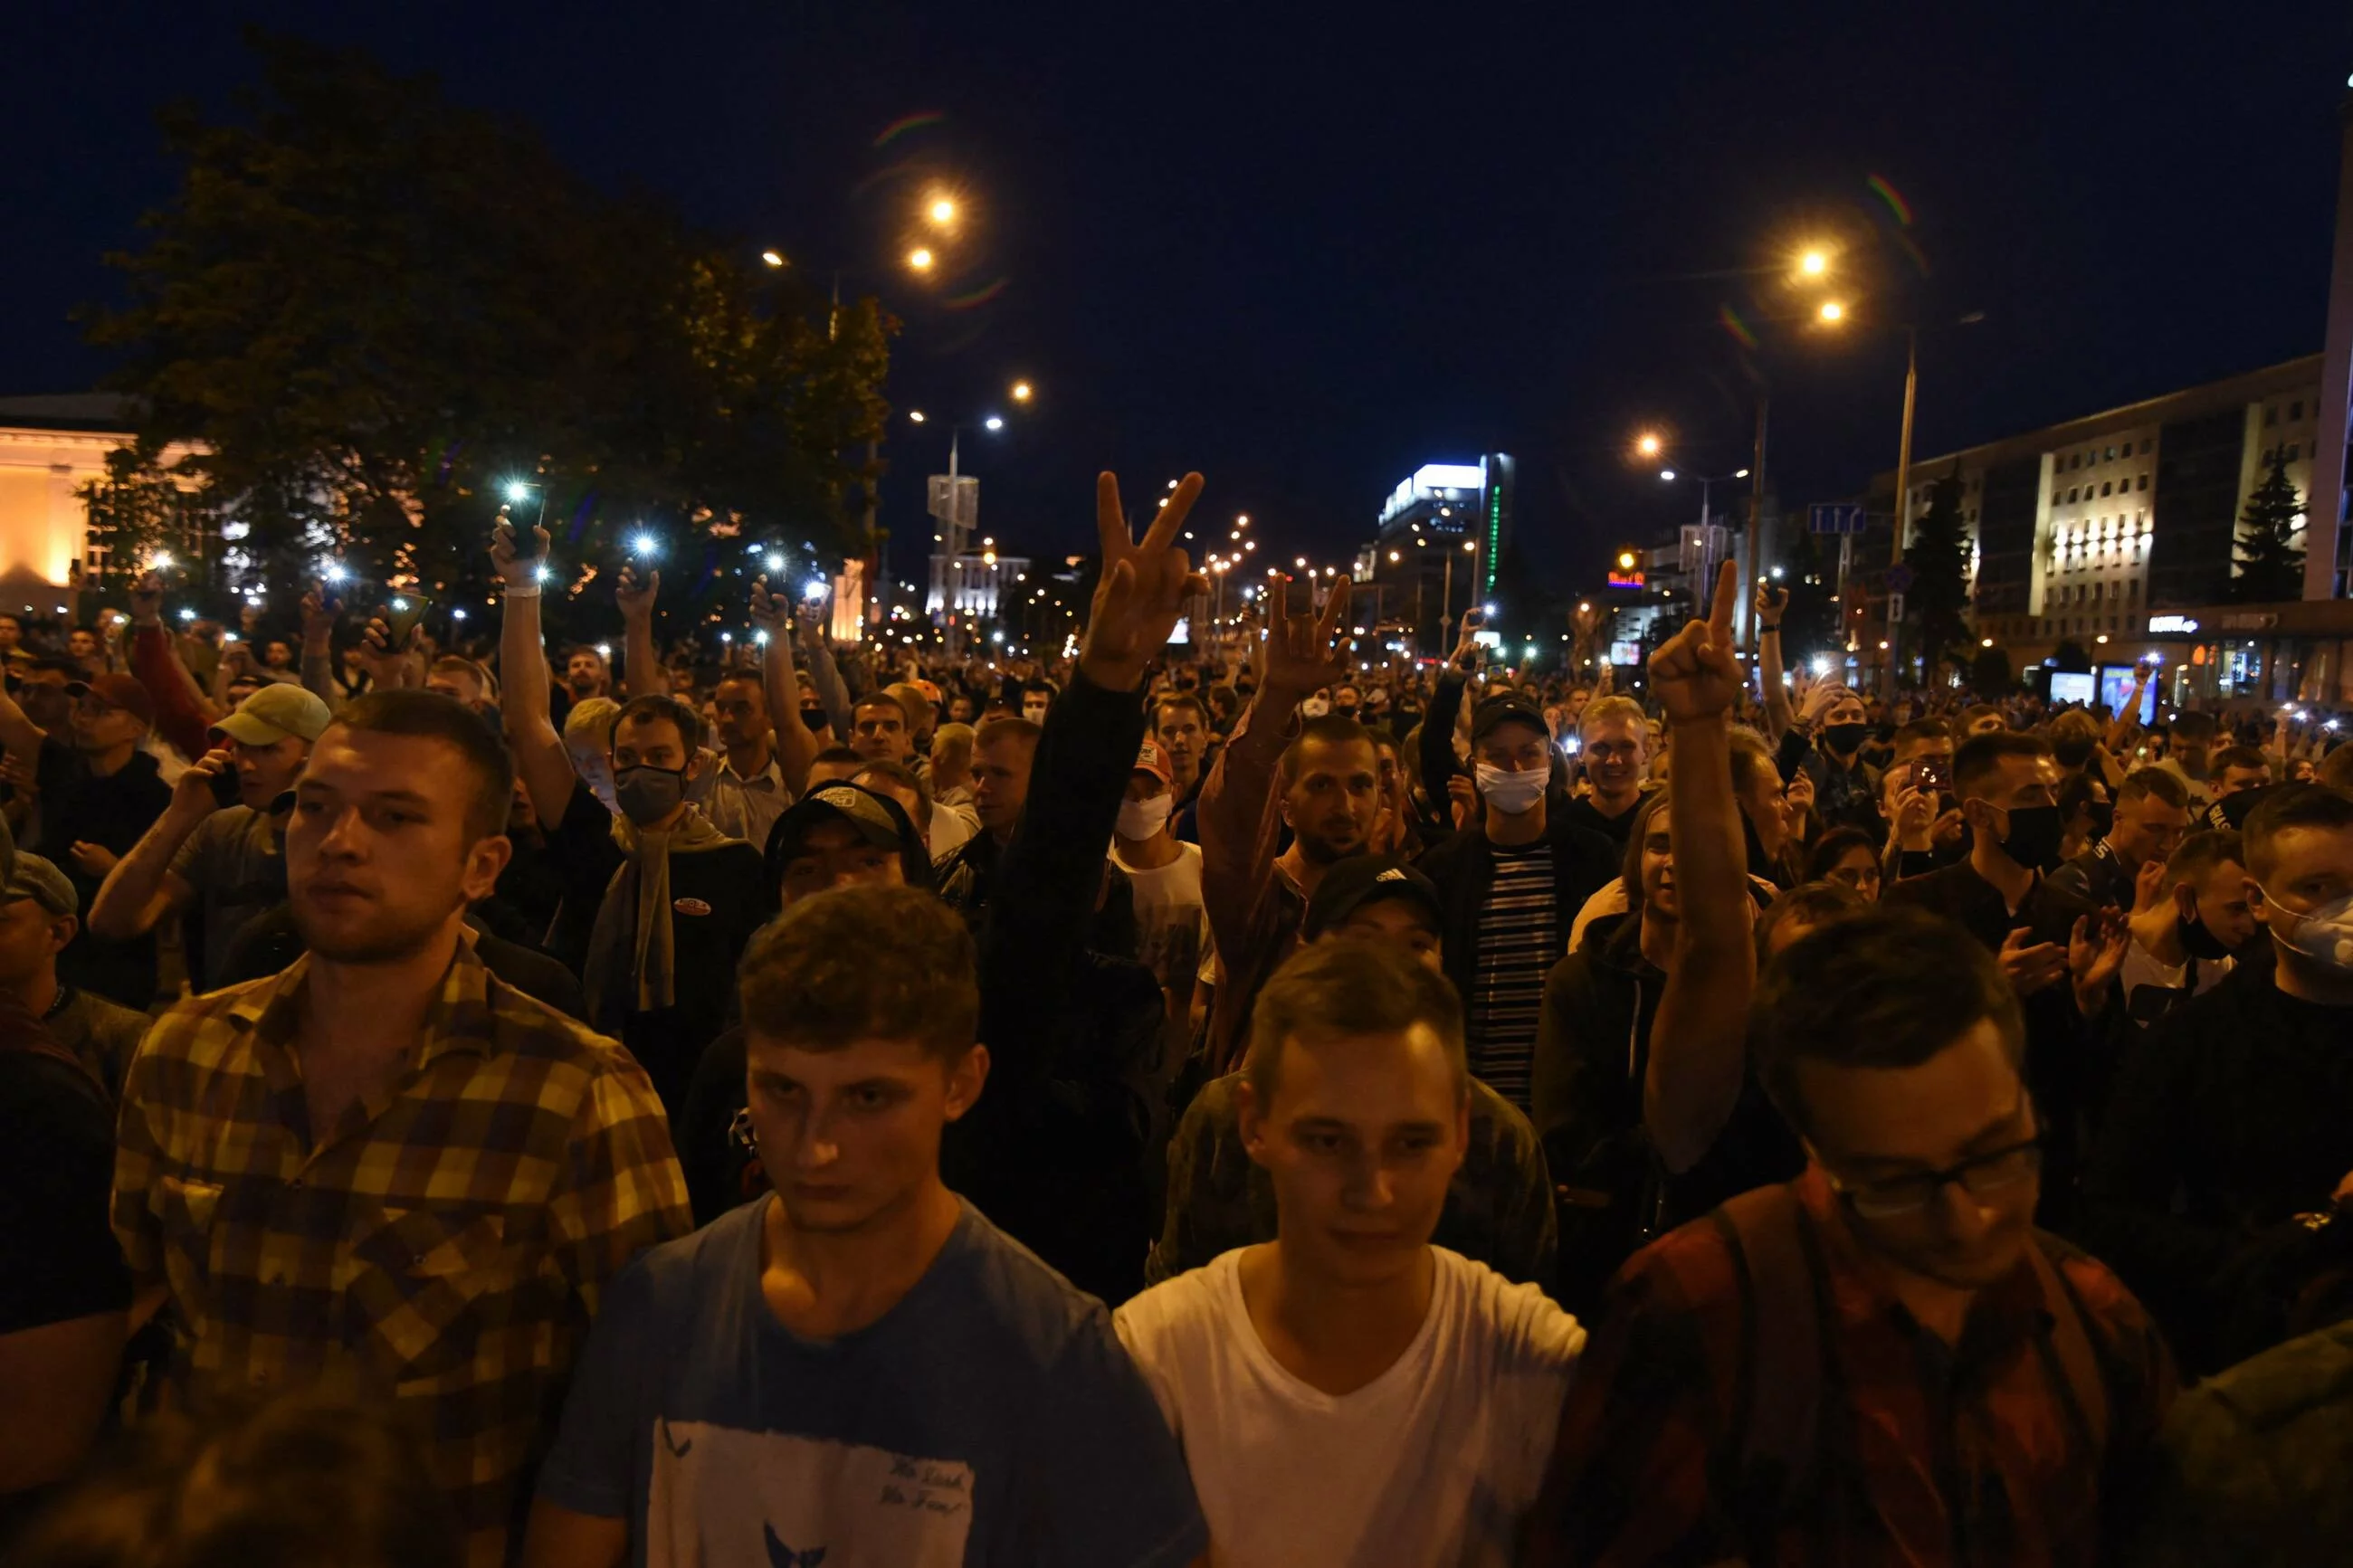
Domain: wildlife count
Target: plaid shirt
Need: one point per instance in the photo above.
(445, 1242)
(1924, 1454)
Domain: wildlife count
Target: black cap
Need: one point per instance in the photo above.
(1507, 708)
(878, 821)
(1361, 879)
(2232, 810)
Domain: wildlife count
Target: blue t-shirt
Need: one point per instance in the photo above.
(991, 1416)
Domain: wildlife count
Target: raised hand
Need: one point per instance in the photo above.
(2149, 886)
(318, 621)
(635, 591)
(2030, 966)
(516, 572)
(147, 599)
(2096, 950)
(769, 611)
(1303, 651)
(1819, 700)
(1142, 589)
(1770, 603)
(1695, 676)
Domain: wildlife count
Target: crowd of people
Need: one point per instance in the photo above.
(810, 1105)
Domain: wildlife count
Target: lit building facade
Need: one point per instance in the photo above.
(1435, 550)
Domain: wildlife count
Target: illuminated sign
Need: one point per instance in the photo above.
(2182, 624)
(1625, 579)
(1435, 481)
(1625, 653)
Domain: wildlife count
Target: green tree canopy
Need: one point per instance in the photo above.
(2270, 567)
(370, 307)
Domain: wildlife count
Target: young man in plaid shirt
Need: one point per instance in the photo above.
(385, 1165)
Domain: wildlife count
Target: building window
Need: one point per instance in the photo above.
(2075, 459)
(2145, 446)
(2111, 457)
(2070, 498)
(2271, 418)
(2295, 411)
(2144, 481)
(2107, 488)
(2294, 448)
(2134, 592)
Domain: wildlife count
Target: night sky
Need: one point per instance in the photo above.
(1307, 248)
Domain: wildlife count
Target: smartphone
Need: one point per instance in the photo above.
(402, 615)
(1929, 773)
(226, 789)
(525, 507)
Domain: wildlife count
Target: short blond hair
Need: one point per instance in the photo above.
(592, 716)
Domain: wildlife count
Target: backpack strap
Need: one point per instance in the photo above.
(2071, 1345)
(1777, 1394)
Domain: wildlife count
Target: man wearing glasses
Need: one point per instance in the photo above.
(1884, 1360)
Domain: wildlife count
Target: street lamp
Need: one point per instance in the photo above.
(941, 212)
(1021, 391)
(921, 258)
(914, 416)
(1831, 313)
(773, 258)
(1814, 263)
(1648, 444)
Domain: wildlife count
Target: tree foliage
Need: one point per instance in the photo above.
(1938, 555)
(370, 307)
(2269, 566)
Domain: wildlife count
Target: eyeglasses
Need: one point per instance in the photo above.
(1909, 1195)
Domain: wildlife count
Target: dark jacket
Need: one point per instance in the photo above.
(1593, 1055)
(2098, 877)
(2069, 1059)
(2231, 1115)
(1464, 870)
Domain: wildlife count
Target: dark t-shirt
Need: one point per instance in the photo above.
(989, 1417)
(235, 860)
(79, 807)
(57, 1165)
(718, 899)
(1618, 829)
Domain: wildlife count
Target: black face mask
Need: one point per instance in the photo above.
(814, 717)
(1845, 739)
(2035, 835)
(1339, 711)
(2102, 816)
(2072, 753)
(2198, 941)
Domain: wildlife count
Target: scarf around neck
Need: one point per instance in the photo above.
(632, 951)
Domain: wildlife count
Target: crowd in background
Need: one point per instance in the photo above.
(786, 1101)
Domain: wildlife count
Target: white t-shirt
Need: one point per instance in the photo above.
(1434, 1463)
(1171, 926)
(2141, 969)
(951, 826)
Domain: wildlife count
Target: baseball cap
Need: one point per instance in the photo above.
(1151, 760)
(276, 710)
(116, 691)
(1360, 880)
(864, 809)
(38, 879)
(1506, 707)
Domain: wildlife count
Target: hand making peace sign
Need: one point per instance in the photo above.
(1142, 589)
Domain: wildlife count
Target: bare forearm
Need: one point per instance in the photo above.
(825, 679)
(539, 756)
(136, 894)
(1778, 716)
(1698, 1039)
(796, 748)
(642, 674)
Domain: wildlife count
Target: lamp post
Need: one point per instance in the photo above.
(957, 525)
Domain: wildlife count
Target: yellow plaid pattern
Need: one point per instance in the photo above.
(444, 1243)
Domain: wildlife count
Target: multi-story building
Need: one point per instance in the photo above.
(2117, 531)
(1434, 553)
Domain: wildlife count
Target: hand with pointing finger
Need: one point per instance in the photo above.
(1695, 676)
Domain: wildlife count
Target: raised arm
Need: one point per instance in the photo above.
(825, 677)
(142, 889)
(1438, 760)
(1240, 819)
(796, 748)
(319, 648)
(2121, 723)
(1698, 1040)
(539, 753)
(642, 674)
(1045, 886)
(1772, 604)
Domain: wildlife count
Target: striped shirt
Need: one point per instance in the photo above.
(1517, 950)
(443, 1244)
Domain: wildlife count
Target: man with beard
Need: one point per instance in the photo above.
(1319, 777)
(586, 675)
(2059, 951)
(385, 1165)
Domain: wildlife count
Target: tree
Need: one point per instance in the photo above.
(368, 307)
(1938, 555)
(137, 512)
(2269, 566)
(1991, 674)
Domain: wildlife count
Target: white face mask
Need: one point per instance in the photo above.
(1034, 711)
(1511, 793)
(1143, 819)
(1315, 707)
(2325, 936)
